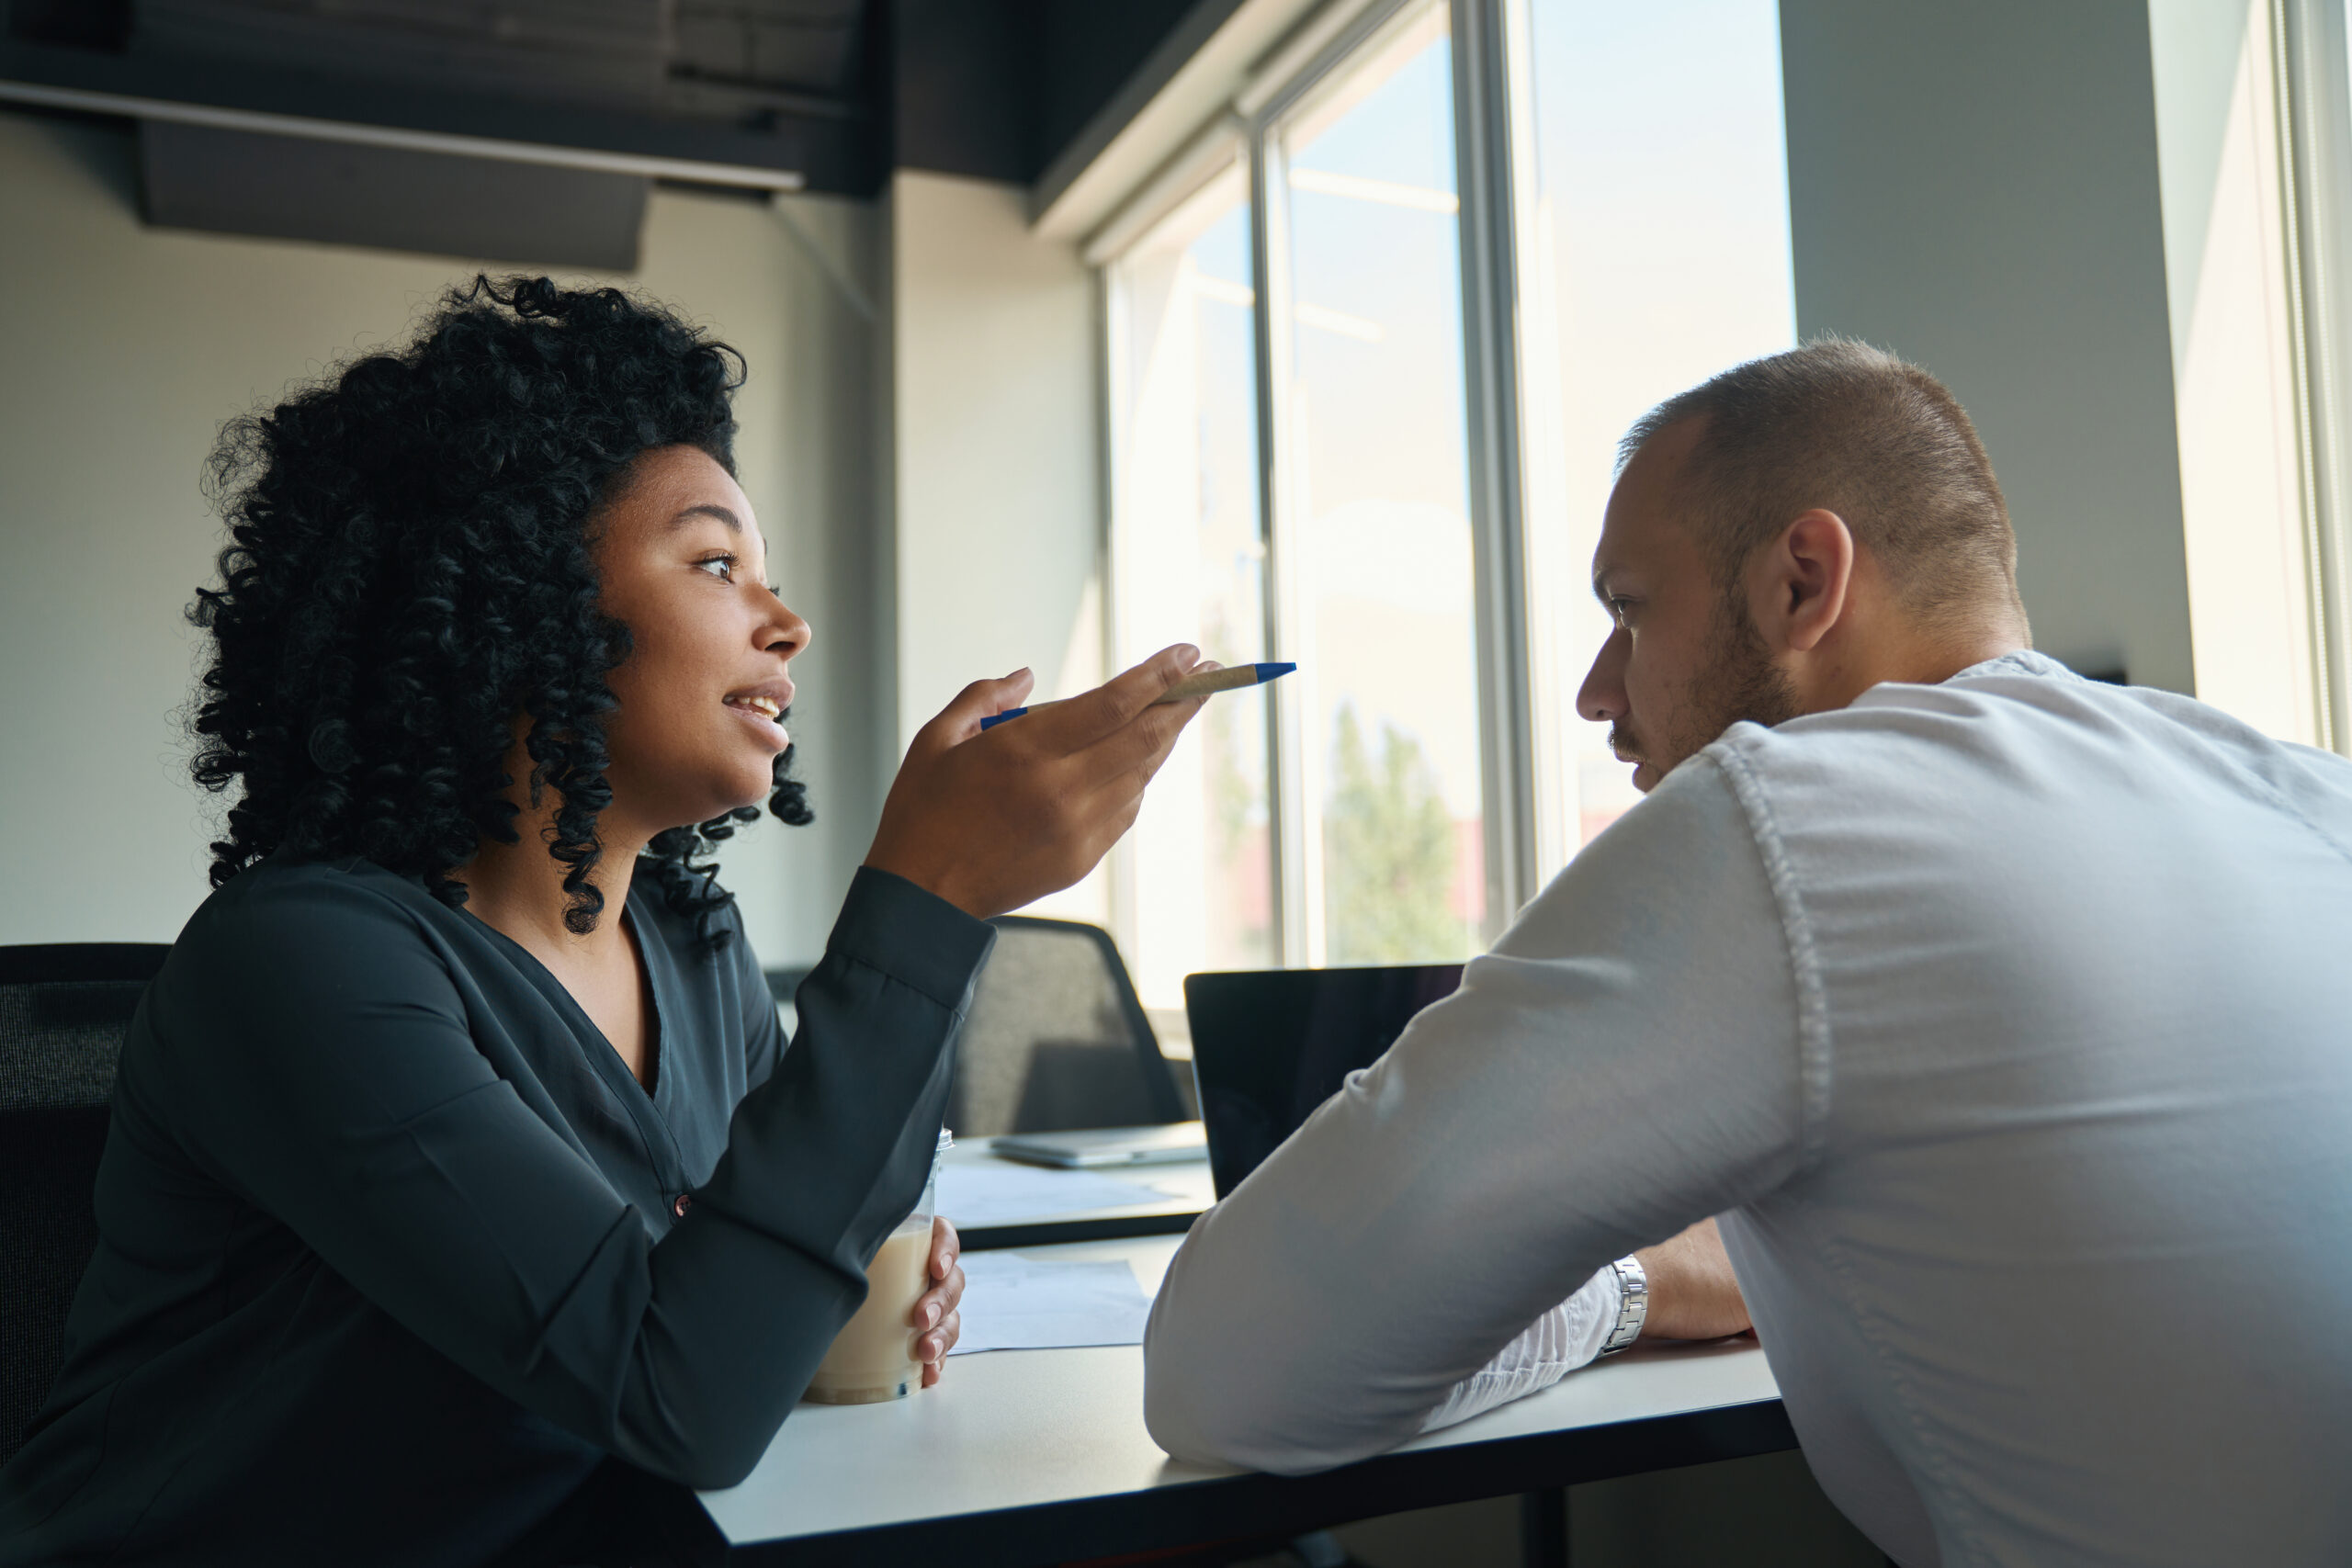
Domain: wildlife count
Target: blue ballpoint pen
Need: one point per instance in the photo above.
(1231, 679)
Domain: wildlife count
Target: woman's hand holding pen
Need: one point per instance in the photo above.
(991, 822)
(935, 1315)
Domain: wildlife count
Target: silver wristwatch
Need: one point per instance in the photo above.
(1634, 1285)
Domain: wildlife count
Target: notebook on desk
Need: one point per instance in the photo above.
(1271, 1045)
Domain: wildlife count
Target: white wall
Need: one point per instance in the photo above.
(126, 348)
(993, 426)
(1976, 186)
(994, 473)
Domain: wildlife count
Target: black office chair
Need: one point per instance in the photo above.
(64, 1009)
(1056, 1038)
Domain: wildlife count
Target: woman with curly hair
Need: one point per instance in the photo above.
(457, 1146)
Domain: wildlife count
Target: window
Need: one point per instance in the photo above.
(1317, 453)
(1655, 254)
(2255, 126)
(1188, 553)
(1374, 524)
(2231, 289)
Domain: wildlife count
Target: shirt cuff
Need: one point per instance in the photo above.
(1568, 1336)
(915, 937)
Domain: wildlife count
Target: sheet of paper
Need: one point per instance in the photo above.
(996, 1192)
(1011, 1302)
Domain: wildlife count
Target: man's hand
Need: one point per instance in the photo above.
(936, 1312)
(992, 821)
(1693, 1293)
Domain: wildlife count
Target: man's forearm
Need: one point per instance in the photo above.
(1623, 1062)
(1693, 1292)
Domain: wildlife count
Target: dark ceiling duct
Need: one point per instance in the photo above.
(235, 182)
(721, 60)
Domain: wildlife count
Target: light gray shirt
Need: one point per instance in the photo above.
(2008, 1024)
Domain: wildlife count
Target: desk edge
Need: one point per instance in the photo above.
(1251, 1504)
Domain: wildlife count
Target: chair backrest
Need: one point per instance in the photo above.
(64, 1009)
(1056, 1038)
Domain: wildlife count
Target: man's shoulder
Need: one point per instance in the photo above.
(1986, 703)
(2024, 729)
(2020, 699)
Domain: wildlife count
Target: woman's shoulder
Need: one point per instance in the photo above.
(288, 907)
(289, 954)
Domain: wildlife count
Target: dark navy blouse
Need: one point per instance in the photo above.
(394, 1250)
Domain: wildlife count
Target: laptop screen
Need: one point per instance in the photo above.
(1271, 1045)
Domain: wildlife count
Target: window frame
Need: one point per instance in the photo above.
(2314, 75)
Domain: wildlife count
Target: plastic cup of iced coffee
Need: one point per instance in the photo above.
(872, 1357)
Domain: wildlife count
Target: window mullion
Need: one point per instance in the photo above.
(1507, 739)
(1297, 890)
(1112, 366)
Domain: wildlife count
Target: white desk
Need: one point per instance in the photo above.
(1034, 1456)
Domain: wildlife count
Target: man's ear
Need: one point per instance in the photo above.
(1797, 586)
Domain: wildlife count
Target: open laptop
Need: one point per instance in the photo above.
(1271, 1045)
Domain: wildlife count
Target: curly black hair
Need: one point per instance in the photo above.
(409, 570)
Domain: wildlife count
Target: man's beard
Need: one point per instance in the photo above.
(1744, 682)
(1740, 682)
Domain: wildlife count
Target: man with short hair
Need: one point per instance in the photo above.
(2003, 1017)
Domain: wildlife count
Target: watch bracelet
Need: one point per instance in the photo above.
(1633, 1286)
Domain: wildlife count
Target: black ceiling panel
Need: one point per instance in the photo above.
(805, 46)
(75, 24)
(995, 88)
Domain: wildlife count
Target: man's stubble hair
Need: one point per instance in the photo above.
(1840, 426)
(1740, 682)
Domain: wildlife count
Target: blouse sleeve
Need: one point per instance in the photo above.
(328, 1074)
